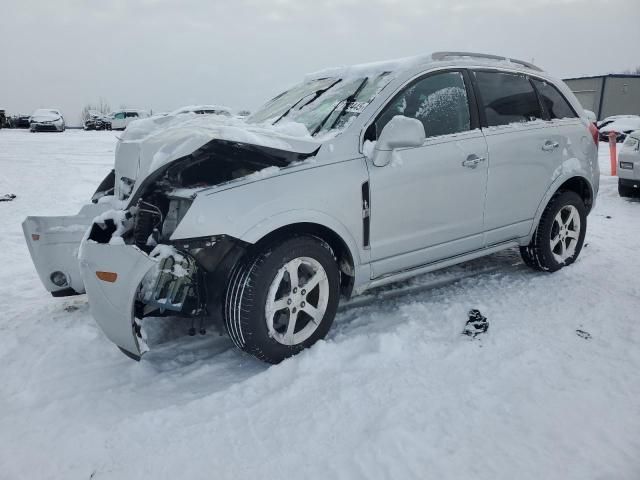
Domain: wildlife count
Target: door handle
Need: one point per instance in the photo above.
(472, 161)
(549, 145)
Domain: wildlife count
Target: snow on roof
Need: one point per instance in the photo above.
(405, 63)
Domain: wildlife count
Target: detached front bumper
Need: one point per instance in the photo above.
(53, 243)
(112, 275)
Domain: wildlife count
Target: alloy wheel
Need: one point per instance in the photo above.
(297, 301)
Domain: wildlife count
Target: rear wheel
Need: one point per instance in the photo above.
(558, 240)
(283, 298)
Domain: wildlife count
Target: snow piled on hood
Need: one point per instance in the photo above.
(148, 127)
(175, 136)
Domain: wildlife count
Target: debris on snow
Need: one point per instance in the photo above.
(7, 197)
(476, 324)
(583, 334)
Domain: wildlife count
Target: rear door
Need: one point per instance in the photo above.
(572, 131)
(427, 204)
(524, 151)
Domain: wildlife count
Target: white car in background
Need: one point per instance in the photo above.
(621, 124)
(121, 118)
(46, 120)
(203, 110)
(629, 166)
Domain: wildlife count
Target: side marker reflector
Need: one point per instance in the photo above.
(107, 276)
(35, 237)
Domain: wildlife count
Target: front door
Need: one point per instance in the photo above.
(427, 204)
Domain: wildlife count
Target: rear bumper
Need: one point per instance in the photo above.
(53, 243)
(630, 183)
(112, 303)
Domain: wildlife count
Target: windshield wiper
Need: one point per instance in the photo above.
(349, 100)
(316, 94)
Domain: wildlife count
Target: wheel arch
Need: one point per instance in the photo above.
(342, 248)
(582, 187)
(576, 183)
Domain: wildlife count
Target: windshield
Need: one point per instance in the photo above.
(323, 105)
(44, 113)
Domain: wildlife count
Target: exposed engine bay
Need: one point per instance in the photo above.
(187, 271)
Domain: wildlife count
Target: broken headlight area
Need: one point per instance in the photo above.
(150, 222)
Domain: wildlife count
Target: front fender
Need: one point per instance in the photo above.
(329, 195)
(290, 217)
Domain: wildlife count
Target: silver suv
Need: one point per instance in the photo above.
(355, 178)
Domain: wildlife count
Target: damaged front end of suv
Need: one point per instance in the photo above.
(257, 226)
(133, 264)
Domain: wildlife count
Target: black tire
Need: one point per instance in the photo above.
(538, 254)
(624, 191)
(247, 291)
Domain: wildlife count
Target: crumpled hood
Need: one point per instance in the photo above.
(154, 142)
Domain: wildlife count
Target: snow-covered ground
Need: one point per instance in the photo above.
(394, 392)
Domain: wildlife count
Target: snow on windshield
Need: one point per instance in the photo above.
(323, 105)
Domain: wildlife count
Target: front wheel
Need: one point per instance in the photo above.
(558, 240)
(283, 298)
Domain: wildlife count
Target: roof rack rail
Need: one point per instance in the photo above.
(443, 55)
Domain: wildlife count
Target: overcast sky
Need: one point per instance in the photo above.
(160, 54)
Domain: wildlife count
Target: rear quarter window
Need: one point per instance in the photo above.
(507, 98)
(553, 103)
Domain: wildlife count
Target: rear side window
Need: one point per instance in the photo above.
(554, 104)
(439, 101)
(507, 98)
(132, 114)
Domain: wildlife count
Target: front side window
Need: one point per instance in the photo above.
(439, 101)
(507, 98)
(554, 104)
(119, 115)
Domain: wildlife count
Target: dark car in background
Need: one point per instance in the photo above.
(97, 121)
(622, 125)
(21, 121)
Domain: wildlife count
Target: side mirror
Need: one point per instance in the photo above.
(400, 132)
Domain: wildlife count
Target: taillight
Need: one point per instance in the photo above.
(594, 133)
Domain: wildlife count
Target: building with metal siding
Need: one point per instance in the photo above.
(606, 95)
